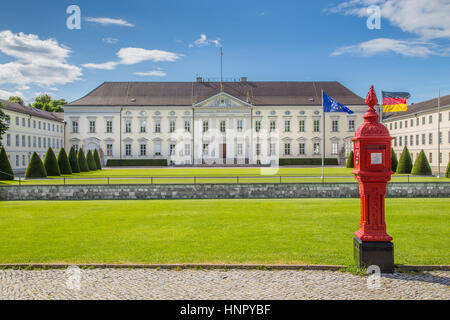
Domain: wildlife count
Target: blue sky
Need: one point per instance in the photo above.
(175, 40)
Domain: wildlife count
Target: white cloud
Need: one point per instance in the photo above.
(110, 21)
(110, 40)
(384, 45)
(135, 55)
(428, 19)
(204, 42)
(4, 94)
(154, 73)
(41, 62)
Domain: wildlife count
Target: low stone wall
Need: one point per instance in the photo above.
(214, 191)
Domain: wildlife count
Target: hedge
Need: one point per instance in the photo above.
(63, 162)
(6, 172)
(97, 160)
(137, 163)
(308, 161)
(35, 168)
(405, 162)
(394, 161)
(421, 166)
(51, 163)
(351, 160)
(82, 162)
(90, 160)
(73, 161)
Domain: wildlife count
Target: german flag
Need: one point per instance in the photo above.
(395, 101)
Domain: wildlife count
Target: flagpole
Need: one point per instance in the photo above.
(439, 134)
(323, 142)
(381, 107)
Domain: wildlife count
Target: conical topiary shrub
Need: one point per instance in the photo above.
(63, 162)
(82, 162)
(405, 162)
(35, 168)
(447, 172)
(73, 161)
(97, 160)
(394, 161)
(351, 160)
(51, 163)
(421, 166)
(91, 162)
(6, 172)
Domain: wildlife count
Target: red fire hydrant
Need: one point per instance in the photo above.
(372, 152)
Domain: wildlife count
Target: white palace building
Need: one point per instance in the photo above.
(194, 123)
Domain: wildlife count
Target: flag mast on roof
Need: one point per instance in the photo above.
(221, 69)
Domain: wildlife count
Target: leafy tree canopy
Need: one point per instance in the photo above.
(16, 99)
(4, 119)
(46, 103)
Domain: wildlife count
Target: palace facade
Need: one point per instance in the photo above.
(193, 123)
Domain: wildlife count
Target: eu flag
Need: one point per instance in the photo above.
(331, 105)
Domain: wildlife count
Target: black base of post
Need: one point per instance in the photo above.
(380, 254)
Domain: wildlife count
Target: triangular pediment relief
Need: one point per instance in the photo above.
(222, 100)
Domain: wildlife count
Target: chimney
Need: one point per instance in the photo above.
(199, 79)
(243, 79)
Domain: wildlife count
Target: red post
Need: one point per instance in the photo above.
(372, 151)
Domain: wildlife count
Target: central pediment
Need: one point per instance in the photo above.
(222, 100)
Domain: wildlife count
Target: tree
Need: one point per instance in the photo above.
(91, 162)
(97, 160)
(6, 172)
(394, 161)
(73, 161)
(82, 163)
(421, 166)
(46, 103)
(63, 162)
(35, 168)
(447, 172)
(351, 160)
(51, 163)
(4, 125)
(405, 162)
(16, 99)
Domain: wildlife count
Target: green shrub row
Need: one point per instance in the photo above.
(136, 163)
(307, 161)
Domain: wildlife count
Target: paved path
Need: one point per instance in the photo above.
(217, 284)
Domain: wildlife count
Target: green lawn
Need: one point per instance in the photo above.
(213, 175)
(303, 231)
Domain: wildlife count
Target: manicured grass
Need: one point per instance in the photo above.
(213, 175)
(300, 231)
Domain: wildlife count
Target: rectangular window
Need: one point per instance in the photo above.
(53, 127)
(44, 125)
(287, 126)
(17, 160)
(390, 126)
(39, 142)
(273, 125)
(239, 125)
(301, 148)
(316, 126)
(109, 150)
(127, 126)
(205, 149)
(157, 148)
(39, 125)
(91, 126)
(17, 140)
(187, 126)
(143, 126)
(223, 126)
(187, 149)
(239, 149)
(395, 125)
(406, 140)
(258, 149)
(431, 157)
(424, 138)
(143, 149)
(29, 123)
(316, 148)
(411, 140)
(23, 160)
(205, 126)
(412, 122)
(74, 126)
(75, 147)
(335, 125)
(157, 126)
(406, 123)
(8, 139)
(272, 149)
(172, 126)
(109, 126)
(301, 125)
(24, 143)
(430, 119)
(23, 122)
(258, 125)
(17, 121)
(417, 139)
(171, 149)
(34, 124)
(287, 149)
(128, 149)
(334, 148)
(430, 138)
(395, 141)
(45, 142)
(351, 125)
(34, 142)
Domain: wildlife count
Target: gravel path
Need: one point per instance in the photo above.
(217, 284)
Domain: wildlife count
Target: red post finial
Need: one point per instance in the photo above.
(371, 98)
